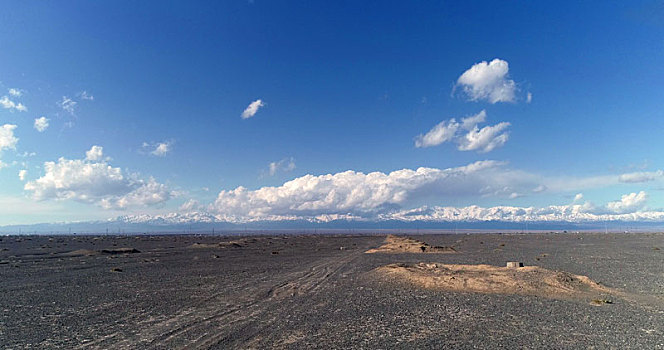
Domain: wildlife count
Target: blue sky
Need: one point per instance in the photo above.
(161, 88)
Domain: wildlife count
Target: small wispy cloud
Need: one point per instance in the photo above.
(251, 110)
(190, 206)
(485, 139)
(158, 149)
(27, 154)
(41, 124)
(468, 123)
(641, 176)
(284, 165)
(161, 149)
(442, 132)
(15, 92)
(68, 105)
(473, 138)
(7, 103)
(22, 174)
(84, 95)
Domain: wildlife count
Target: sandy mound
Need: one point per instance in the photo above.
(530, 280)
(81, 252)
(396, 244)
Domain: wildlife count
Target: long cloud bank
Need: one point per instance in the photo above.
(377, 195)
(352, 195)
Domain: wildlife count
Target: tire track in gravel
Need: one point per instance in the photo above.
(311, 280)
(220, 318)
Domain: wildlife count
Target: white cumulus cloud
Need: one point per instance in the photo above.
(41, 124)
(96, 182)
(95, 153)
(488, 81)
(7, 138)
(629, 203)
(251, 110)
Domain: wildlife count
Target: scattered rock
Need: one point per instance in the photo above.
(120, 251)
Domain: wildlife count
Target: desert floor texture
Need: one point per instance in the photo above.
(601, 291)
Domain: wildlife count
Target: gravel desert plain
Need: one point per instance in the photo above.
(582, 290)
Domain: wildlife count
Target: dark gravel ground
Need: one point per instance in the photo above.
(309, 292)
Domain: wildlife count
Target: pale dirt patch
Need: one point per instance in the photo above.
(396, 244)
(530, 280)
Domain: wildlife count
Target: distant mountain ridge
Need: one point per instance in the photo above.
(191, 222)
